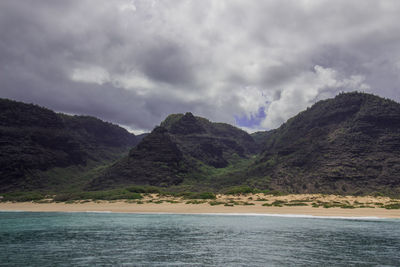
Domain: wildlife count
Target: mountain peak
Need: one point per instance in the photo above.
(183, 124)
(187, 124)
(182, 146)
(339, 145)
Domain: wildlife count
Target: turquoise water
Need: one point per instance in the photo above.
(80, 239)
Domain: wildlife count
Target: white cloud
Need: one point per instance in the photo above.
(307, 88)
(133, 81)
(92, 74)
(251, 99)
(127, 6)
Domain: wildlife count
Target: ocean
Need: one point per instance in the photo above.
(115, 239)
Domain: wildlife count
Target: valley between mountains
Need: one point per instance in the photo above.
(347, 145)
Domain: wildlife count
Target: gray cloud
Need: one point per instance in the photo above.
(167, 63)
(133, 62)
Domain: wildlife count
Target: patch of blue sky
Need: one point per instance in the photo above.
(251, 121)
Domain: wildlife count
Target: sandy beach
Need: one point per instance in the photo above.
(243, 204)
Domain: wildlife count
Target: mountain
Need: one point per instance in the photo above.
(261, 137)
(182, 148)
(349, 144)
(39, 146)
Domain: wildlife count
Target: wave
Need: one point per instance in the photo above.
(227, 214)
(274, 215)
(13, 211)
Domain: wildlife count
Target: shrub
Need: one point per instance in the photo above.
(296, 204)
(328, 205)
(267, 205)
(62, 197)
(118, 196)
(215, 203)
(277, 193)
(392, 206)
(98, 195)
(195, 202)
(301, 200)
(236, 190)
(171, 201)
(265, 192)
(143, 189)
(344, 206)
(378, 194)
(278, 203)
(22, 196)
(43, 201)
(203, 195)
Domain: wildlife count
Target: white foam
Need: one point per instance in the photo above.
(12, 211)
(97, 211)
(227, 214)
(277, 215)
(265, 215)
(297, 216)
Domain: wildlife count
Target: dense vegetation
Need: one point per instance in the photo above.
(183, 151)
(346, 145)
(40, 149)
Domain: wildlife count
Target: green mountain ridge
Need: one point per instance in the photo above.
(178, 150)
(349, 144)
(37, 145)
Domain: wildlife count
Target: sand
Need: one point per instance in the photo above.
(243, 204)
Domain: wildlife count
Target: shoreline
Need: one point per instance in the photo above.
(255, 204)
(289, 215)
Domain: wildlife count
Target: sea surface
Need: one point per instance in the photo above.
(102, 239)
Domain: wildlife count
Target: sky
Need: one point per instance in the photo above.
(253, 64)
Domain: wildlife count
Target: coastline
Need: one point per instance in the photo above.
(121, 207)
(250, 205)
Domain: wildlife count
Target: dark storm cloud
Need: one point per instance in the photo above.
(376, 56)
(167, 63)
(135, 62)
